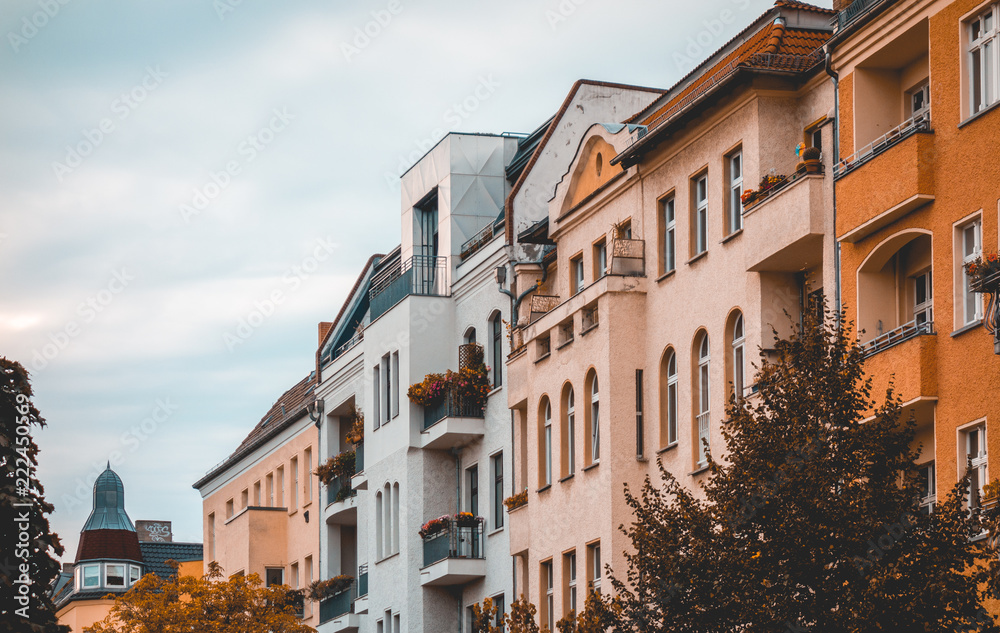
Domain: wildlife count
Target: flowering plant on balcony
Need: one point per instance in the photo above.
(467, 519)
(323, 589)
(356, 433)
(469, 384)
(516, 501)
(434, 526)
(337, 467)
(430, 390)
(983, 267)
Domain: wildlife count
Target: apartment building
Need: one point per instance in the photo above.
(917, 197)
(260, 505)
(654, 280)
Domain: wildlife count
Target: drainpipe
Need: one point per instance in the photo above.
(836, 156)
(316, 415)
(516, 301)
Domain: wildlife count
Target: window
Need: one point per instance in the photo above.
(114, 575)
(376, 395)
(734, 166)
(472, 487)
(380, 627)
(548, 608)
(379, 528)
(668, 239)
(703, 391)
(699, 222)
(668, 399)
(568, 431)
(470, 336)
(229, 509)
(269, 480)
(971, 241)
(307, 458)
(388, 621)
(576, 274)
(396, 624)
(928, 488)
(388, 519)
(923, 303)
(274, 576)
(244, 498)
(982, 60)
(92, 573)
(569, 590)
(497, 461)
(394, 546)
(394, 395)
(548, 442)
(918, 100)
(497, 349)
(294, 465)
(256, 493)
(544, 442)
(594, 566)
(498, 602)
(280, 487)
(639, 431)
(975, 449)
(294, 569)
(593, 435)
(386, 394)
(134, 573)
(739, 362)
(600, 259)
(211, 536)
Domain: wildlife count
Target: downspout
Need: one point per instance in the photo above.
(837, 304)
(517, 300)
(316, 415)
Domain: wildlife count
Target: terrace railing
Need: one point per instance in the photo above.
(456, 541)
(419, 275)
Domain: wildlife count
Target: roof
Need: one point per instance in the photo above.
(291, 406)
(108, 544)
(108, 512)
(365, 274)
(551, 126)
(156, 555)
(525, 148)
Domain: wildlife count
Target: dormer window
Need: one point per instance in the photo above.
(91, 576)
(115, 575)
(134, 573)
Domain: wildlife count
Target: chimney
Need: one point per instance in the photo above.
(67, 568)
(154, 531)
(324, 329)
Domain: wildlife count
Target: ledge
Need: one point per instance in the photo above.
(592, 466)
(667, 448)
(544, 488)
(697, 257)
(565, 343)
(567, 477)
(543, 357)
(589, 329)
(979, 114)
(967, 328)
(731, 236)
(698, 471)
(669, 273)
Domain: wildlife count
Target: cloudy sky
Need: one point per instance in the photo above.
(169, 168)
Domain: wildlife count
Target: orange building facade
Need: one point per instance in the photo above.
(917, 196)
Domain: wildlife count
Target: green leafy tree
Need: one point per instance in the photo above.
(210, 604)
(810, 523)
(27, 547)
(597, 616)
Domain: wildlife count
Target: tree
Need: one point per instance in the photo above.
(811, 521)
(597, 616)
(28, 547)
(209, 604)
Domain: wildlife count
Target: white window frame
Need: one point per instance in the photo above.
(96, 577)
(377, 395)
(601, 258)
(595, 421)
(975, 451)
(966, 297)
(547, 430)
(595, 562)
(671, 396)
(704, 394)
(571, 431)
(923, 311)
(106, 568)
(739, 356)
(734, 165)
(924, 89)
(701, 214)
(928, 475)
(669, 235)
(549, 599)
(394, 396)
(571, 583)
(986, 45)
(577, 270)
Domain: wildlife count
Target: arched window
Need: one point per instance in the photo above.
(496, 349)
(379, 553)
(593, 435)
(702, 374)
(668, 399)
(395, 518)
(567, 431)
(895, 295)
(738, 359)
(470, 336)
(548, 443)
(544, 442)
(387, 520)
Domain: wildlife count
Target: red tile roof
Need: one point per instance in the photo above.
(113, 544)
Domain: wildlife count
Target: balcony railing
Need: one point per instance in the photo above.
(419, 275)
(541, 304)
(628, 257)
(451, 406)
(477, 241)
(339, 490)
(454, 542)
(363, 580)
(338, 605)
(893, 337)
(906, 129)
(702, 435)
(854, 11)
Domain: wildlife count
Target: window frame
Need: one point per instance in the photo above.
(699, 214)
(668, 220)
(671, 394)
(979, 461)
(965, 297)
(576, 274)
(739, 356)
(496, 462)
(600, 258)
(96, 575)
(703, 394)
(928, 482)
(734, 189)
(986, 45)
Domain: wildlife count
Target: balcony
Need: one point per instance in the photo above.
(451, 423)
(341, 502)
(908, 354)
(628, 257)
(419, 275)
(361, 602)
(360, 480)
(336, 613)
(885, 180)
(783, 230)
(854, 11)
(454, 556)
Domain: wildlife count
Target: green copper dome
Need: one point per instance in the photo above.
(109, 504)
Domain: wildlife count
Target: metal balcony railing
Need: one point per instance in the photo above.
(477, 241)
(628, 257)
(339, 490)
(451, 406)
(702, 435)
(455, 542)
(855, 10)
(363, 580)
(419, 275)
(338, 605)
(893, 337)
(918, 123)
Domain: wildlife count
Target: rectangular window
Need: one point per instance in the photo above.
(211, 536)
(918, 100)
(376, 395)
(307, 473)
(548, 607)
(501, 608)
(386, 394)
(923, 302)
(699, 221)
(576, 274)
(134, 573)
(639, 431)
(569, 588)
(379, 627)
(975, 449)
(388, 621)
(734, 165)
(115, 575)
(982, 60)
(230, 509)
(280, 487)
(497, 348)
(269, 480)
(295, 575)
(92, 574)
(244, 498)
(594, 566)
(294, 466)
(600, 259)
(395, 392)
(970, 240)
(472, 490)
(497, 490)
(668, 221)
(256, 493)
(274, 576)
(928, 488)
(396, 624)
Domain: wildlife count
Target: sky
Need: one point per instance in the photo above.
(188, 187)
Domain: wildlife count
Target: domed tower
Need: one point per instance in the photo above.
(108, 557)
